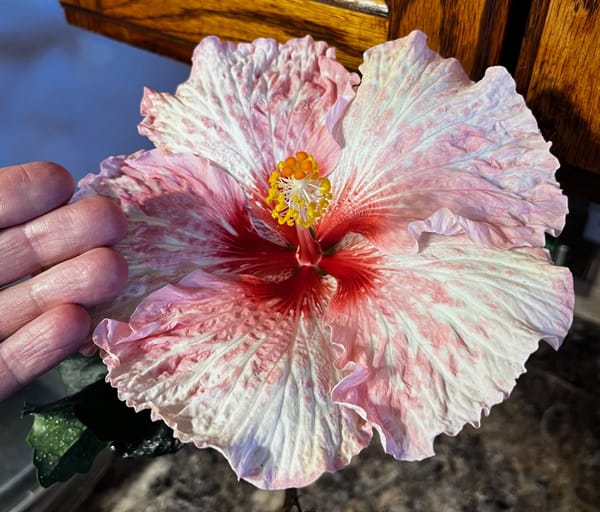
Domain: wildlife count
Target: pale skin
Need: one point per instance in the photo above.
(65, 248)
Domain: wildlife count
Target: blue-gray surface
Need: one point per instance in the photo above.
(72, 97)
(68, 95)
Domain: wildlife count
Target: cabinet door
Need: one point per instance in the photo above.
(471, 30)
(558, 71)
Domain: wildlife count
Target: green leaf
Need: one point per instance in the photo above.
(130, 433)
(62, 445)
(158, 440)
(68, 434)
(79, 371)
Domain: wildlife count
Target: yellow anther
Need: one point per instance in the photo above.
(298, 195)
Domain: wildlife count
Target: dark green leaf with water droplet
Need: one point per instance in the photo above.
(68, 434)
(62, 445)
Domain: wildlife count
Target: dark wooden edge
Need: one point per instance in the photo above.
(516, 27)
(492, 35)
(376, 10)
(536, 19)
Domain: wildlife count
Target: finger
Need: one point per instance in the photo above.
(58, 236)
(30, 190)
(41, 345)
(88, 279)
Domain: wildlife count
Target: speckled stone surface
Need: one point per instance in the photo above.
(538, 451)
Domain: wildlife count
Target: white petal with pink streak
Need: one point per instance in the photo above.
(248, 106)
(225, 367)
(421, 137)
(441, 336)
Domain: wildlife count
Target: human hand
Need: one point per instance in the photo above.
(43, 319)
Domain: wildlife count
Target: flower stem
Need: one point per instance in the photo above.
(292, 502)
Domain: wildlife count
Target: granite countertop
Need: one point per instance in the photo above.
(538, 451)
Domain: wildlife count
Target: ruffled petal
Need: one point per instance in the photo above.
(422, 140)
(435, 338)
(248, 106)
(241, 365)
(183, 214)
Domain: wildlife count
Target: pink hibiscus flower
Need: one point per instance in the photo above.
(310, 259)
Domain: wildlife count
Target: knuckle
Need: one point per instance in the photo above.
(9, 365)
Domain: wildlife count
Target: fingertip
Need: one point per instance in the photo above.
(32, 189)
(79, 321)
(116, 219)
(109, 218)
(114, 271)
(58, 173)
(50, 174)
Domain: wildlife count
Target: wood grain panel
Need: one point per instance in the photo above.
(174, 27)
(559, 72)
(472, 31)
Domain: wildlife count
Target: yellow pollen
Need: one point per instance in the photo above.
(296, 193)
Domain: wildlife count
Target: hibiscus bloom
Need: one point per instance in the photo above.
(311, 259)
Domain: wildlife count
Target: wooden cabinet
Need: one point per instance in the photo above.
(550, 46)
(559, 72)
(173, 28)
